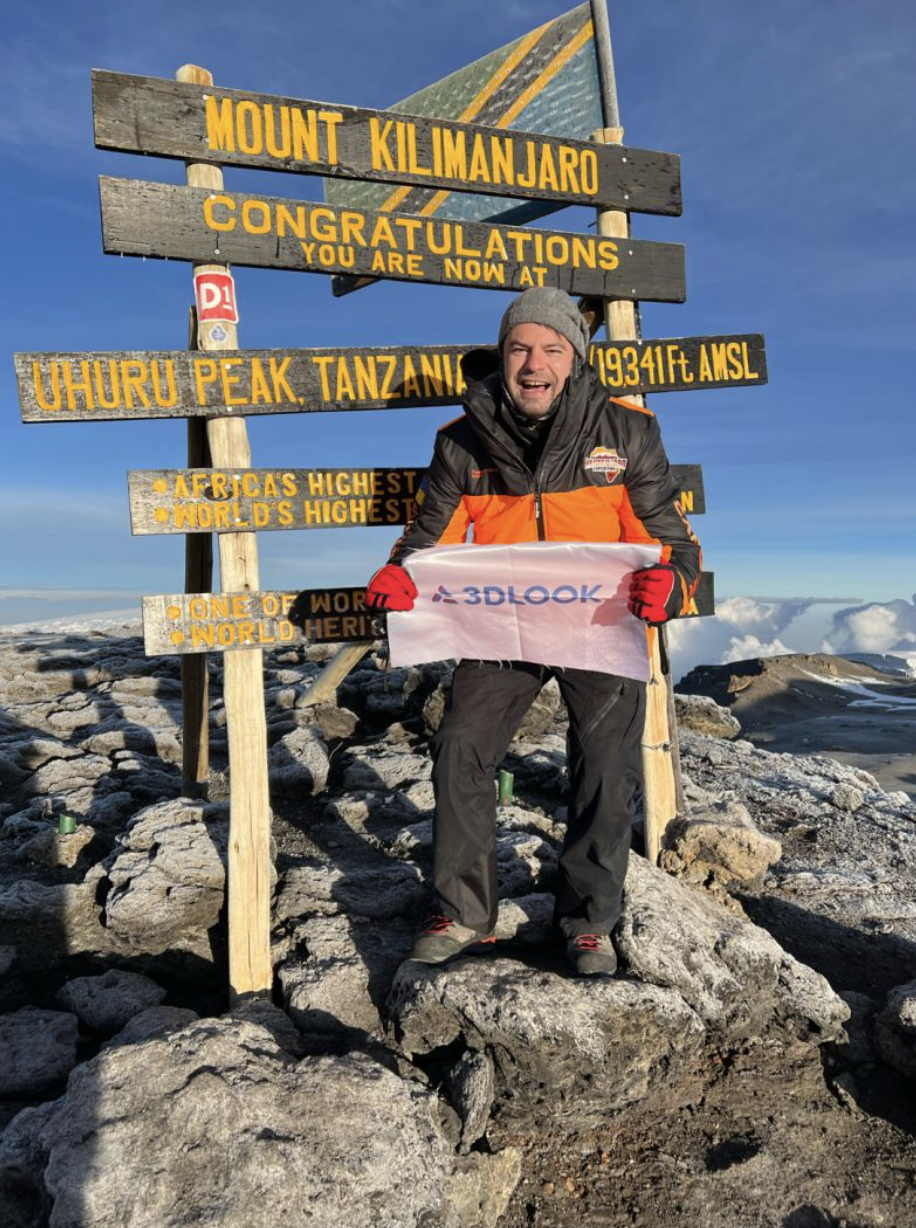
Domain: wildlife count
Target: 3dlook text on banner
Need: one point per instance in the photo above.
(553, 603)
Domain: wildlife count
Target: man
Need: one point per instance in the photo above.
(542, 454)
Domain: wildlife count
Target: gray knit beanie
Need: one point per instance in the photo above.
(551, 307)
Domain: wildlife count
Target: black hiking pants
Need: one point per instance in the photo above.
(486, 705)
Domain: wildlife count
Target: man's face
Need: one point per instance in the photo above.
(537, 362)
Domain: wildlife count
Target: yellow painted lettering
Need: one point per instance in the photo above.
(454, 154)
(249, 130)
(202, 635)
(134, 374)
(283, 147)
(256, 218)
(548, 177)
(230, 380)
(288, 222)
(502, 159)
(496, 246)
(478, 171)
(330, 119)
(378, 144)
(54, 401)
(223, 201)
(220, 125)
(345, 389)
(305, 136)
(205, 372)
(719, 360)
(391, 363)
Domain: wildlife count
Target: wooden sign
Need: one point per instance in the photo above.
(703, 602)
(162, 220)
(182, 384)
(227, 501)
(214, 622)
(150, 115)
(224, 501)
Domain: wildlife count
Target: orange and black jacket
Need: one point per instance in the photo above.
(602, 476)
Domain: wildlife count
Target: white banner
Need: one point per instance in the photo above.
(553, 603)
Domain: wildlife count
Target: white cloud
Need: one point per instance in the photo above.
(748, 627)
(749, 646)
(877, 627)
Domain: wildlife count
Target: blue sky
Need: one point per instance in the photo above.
(795, 125)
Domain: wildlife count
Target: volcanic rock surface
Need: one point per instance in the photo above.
(744, 1067)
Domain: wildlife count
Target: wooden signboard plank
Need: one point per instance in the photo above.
(68, 387)
(214, 622)
(167, 221)
(184, 623)
(150, 115)
(227, 501)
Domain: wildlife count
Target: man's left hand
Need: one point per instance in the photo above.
(655, 593)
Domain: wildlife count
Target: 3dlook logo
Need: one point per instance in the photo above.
(535, 594)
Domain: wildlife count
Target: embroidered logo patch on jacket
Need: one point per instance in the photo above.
(606, 461)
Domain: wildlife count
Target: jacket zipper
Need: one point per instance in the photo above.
(539, 514)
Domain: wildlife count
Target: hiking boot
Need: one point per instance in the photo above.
(591, 955)
(443, 938)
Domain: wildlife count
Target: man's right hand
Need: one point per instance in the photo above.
(391, 588)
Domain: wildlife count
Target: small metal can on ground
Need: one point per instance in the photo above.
(506, 784)
(66, 825)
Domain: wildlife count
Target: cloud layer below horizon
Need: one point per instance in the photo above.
(746, 627)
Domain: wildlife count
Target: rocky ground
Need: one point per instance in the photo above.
(750, 1065)
(808, 702)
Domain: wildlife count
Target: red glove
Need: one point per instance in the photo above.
(391, 588)
(655, 593)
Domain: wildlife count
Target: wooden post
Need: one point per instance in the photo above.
(659, 780)
(198, 577)
(250, 970)
(333, 674)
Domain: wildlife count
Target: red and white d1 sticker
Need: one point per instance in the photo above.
(215, 295)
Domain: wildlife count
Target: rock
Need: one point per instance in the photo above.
(540, 765)
(338, 979)
(700, 714)
(324, 1142)
(566, 1054)
(472, 1086)
(718, 843)
(387, 889)
(332, 721)
(525, 863)
(50, 848)
(847, 797)
(48, 923)
(66, 775)
(895, 1029)
(34, 752)
(570, 1052)
(856, 1047)
(517, 818)
(540, 717)
(263, 1012)
(846, 1090)
(39, 1050)
(152, 1022)
(434, 708)
(380, 768)
(298, 763)
(527, 919)
(106, 1003)
(168, 879)
(733, 974)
